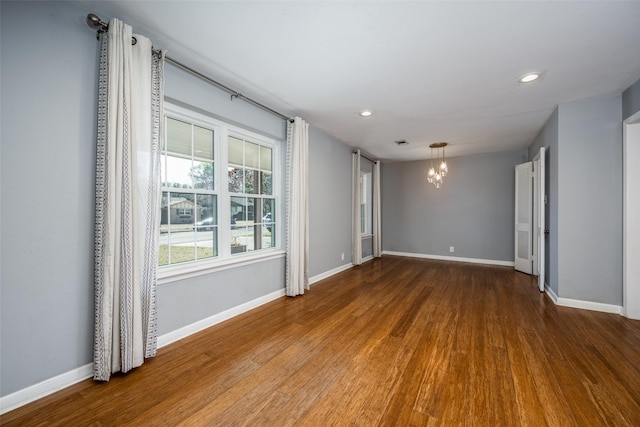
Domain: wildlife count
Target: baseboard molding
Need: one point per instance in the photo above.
(584, 305)
(451, 258)
(589, 305)
(329, 273)
(37, 391)
(198, 326)
(551, 294)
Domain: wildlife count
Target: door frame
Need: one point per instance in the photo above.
(539, 223)
(630, 215)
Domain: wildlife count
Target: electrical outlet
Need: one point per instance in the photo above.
(342, 257)
(451, 249)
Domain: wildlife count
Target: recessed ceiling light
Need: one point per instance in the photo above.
(529, 77)
(366, 113)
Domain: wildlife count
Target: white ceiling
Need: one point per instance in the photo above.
(430, 71)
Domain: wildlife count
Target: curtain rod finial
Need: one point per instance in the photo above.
(94, 22)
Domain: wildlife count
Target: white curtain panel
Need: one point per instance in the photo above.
(297, 208)
(377, 212)
(356, 235)
(130, 122)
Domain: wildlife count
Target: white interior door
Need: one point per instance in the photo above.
(538, 205)
(523, 218)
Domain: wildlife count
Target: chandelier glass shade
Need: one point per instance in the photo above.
(437, 172)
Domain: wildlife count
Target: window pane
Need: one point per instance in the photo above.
(238, 210)
(266, 183)
(177, 236)
(178, 169)
(251, 155)
(179, 205)
(235, 151)
(201, 175)
(236, 180)
(202, 143)
(207, 243)
(182, 248)
(178, 137)
(268, 223)
(268, 210)
(268, 236)
(252, 203)
(163, 241)
(240, 239)
(208, 208)
(250, 181)
(265, 158)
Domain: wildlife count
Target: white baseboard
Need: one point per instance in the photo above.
(585, 305)
(451, 258)
(27, 395)
(329, 273)
(198, 326)
(37, 391)
(551, 294)
(589, 305)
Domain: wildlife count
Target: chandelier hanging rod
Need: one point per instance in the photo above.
(93, 21)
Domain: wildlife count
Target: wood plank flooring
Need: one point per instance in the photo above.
(394, 342)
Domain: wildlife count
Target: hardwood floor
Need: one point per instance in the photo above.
(394, 342)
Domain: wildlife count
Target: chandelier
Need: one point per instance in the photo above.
(436, 174)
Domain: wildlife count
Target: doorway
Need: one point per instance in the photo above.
(530, 219)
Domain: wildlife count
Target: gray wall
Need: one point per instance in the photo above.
(330, 202)
(49, 81)
(590, 200)
(47, 173)
(584, 213)
(548, 138)
(631, 100)
(473, 210)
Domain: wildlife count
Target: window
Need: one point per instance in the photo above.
(366, 196)
(252, 204)
(220, 193)
(188, 216)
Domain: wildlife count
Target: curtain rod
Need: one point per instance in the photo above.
(100, 26)
(362, 155)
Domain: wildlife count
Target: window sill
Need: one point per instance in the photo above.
(193, 269)
(366, 236)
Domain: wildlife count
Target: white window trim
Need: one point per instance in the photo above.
(225, 260)
(185, 270)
